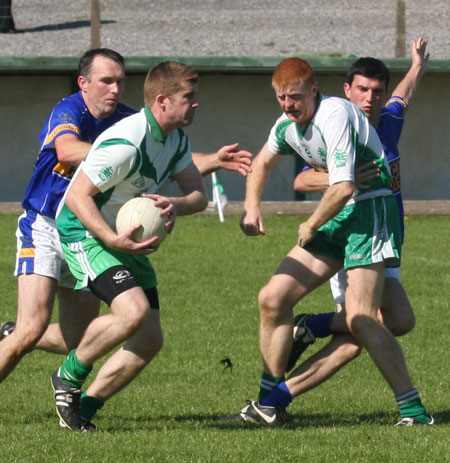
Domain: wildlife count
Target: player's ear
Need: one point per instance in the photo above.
(82, 83)
(347, 89)
(161, 100)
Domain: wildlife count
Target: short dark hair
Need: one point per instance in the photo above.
(84, 66)
(167, 78)
(369, 67)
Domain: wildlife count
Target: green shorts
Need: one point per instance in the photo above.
(363, 233)
(89, 258)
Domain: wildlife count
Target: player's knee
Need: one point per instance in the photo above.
(270, 305)
(360, 324)
(133, 318)
(155, 340)
(26, 338)
(148, 342)
(350, 350)
(404, 325)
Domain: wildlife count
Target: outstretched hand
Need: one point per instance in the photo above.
(418, 52)
(231, 158)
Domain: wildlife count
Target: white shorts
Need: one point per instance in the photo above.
(39, 249)
(338, 282)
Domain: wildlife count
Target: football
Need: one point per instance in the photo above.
(144, 212)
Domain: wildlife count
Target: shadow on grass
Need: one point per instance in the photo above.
(120, 423)
(323, 420)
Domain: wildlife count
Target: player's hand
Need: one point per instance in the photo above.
(126, 243)
(167, 208)
(364, 173)
(252, 224)
(418, 52)
(305, 234)
(231, 158)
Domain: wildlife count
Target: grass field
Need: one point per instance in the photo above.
(209, 276)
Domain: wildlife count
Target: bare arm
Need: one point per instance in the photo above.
(311, 181)
(228, 157)
(252, 222)
(80, 200)
(332, 202)
(70, 149)
(408, 85)
(194, 197)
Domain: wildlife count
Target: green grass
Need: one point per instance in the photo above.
(209, 276)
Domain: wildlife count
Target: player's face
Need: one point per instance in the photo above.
(298, 100)
(368, 94)
(181, 106)
(104, 87)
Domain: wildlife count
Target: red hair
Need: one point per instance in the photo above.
(292, 70)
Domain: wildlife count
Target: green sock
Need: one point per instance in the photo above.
(267, 383)
(89, 406)
(411, 406)
(73, 371)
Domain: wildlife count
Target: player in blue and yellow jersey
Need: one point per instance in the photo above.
(67, 135)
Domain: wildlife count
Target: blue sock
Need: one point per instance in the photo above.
(278, 397)
(320, 324)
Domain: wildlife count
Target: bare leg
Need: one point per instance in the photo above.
(124, 365)
(36, 295)
(362, 300)
(76, 310)
(397, 315)
(396, 312)
(299, 273)
(127, 312)
(323, 364)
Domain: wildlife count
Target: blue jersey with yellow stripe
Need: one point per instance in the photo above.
(389, 130)
(51, 177)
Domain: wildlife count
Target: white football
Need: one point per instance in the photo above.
(144, 212)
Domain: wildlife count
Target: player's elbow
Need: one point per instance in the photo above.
(200, 203)
(299, 184)
(71, 200)
(203, 203)
(345, 189)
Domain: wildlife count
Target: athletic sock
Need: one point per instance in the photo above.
(267, 383)
(278, 397)
(73, 371)
(411, 406)
(90, 406)
(320, 324)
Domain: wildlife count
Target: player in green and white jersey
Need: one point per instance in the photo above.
(359, 231)
(338, 138)
(134, 156)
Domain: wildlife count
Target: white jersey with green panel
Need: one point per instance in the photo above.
(130, 158)
(338, 138)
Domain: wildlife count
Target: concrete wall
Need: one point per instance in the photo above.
(234, 107)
